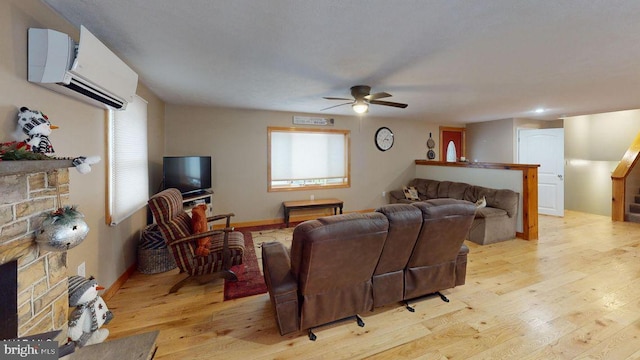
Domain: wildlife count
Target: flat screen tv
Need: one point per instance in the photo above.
(189, 174)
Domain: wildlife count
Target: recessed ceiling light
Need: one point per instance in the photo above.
(539, 110)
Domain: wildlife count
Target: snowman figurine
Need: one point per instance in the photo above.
(37, 127)
(90, 313)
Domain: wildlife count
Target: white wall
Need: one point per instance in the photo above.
(107, 251)
(594, 144)
(490, 141)
(497, 140)
(237, 141)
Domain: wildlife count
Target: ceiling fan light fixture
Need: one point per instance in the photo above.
(362, 98)
(360, 107)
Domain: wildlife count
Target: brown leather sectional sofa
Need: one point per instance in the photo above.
(343, 265)
(493, 223)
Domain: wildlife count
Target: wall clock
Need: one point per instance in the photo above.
(384, 139)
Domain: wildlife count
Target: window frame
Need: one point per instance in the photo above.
(302, 187)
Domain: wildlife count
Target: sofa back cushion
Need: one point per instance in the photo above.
(332, 260)
(405, 222)
(452, 190)
(431, 266)
(445, 225)
(427, 188)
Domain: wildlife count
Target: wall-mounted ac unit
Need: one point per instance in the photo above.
(88, 71)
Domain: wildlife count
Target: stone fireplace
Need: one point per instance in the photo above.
(41, 288)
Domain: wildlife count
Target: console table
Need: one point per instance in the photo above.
(334, 204)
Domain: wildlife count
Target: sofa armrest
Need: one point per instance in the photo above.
(395, 196)
(461, 265)
(282, 286)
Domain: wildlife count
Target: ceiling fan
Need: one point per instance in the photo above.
(362, 97)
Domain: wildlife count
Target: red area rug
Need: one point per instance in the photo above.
(250, 280)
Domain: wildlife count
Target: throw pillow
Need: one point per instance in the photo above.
(199, 225)
(481, 202)
(410, 193)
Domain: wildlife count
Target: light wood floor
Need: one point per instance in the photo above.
(574, 293)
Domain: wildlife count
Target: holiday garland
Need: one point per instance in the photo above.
(15, 150)
(20, 150)
(64, 215)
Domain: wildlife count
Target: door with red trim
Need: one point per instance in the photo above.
(456, 135)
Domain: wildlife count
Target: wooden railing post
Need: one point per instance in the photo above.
(530, 203)
(617, 198)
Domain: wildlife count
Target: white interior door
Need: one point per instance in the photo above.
(545, 147)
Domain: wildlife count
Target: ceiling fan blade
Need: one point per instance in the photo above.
(379, 95)
(335, 98)
(388, 103)
(331, 107)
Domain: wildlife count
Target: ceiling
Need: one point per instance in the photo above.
(452, 61)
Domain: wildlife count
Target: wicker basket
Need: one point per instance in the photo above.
(153, 254)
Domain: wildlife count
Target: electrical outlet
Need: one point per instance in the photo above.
(82, 269)
(312, 197)
(384, 194)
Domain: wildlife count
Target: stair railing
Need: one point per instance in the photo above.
(619, 179)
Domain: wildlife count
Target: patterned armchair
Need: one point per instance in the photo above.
(226, 249)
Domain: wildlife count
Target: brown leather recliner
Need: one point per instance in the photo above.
(405, 222)
(439, 258)
(328, 274)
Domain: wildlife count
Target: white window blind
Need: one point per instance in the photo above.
(308, 157)
(128, 165)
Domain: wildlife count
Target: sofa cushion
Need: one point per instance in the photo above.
(475, 193)
(457, 190)
(427, 188)
(443, 189)
(487, 212)
(452, 190)
(410, 193)
(505, 199)
(404, 201)
(496, 198)
(432, 189)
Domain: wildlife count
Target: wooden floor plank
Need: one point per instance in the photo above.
(573, 293)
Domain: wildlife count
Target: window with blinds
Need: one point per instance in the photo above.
(303, 159)
(128, 168)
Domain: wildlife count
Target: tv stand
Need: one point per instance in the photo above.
(196, 194)
(189, 201)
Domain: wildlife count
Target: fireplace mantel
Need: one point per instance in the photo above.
(14, 167)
